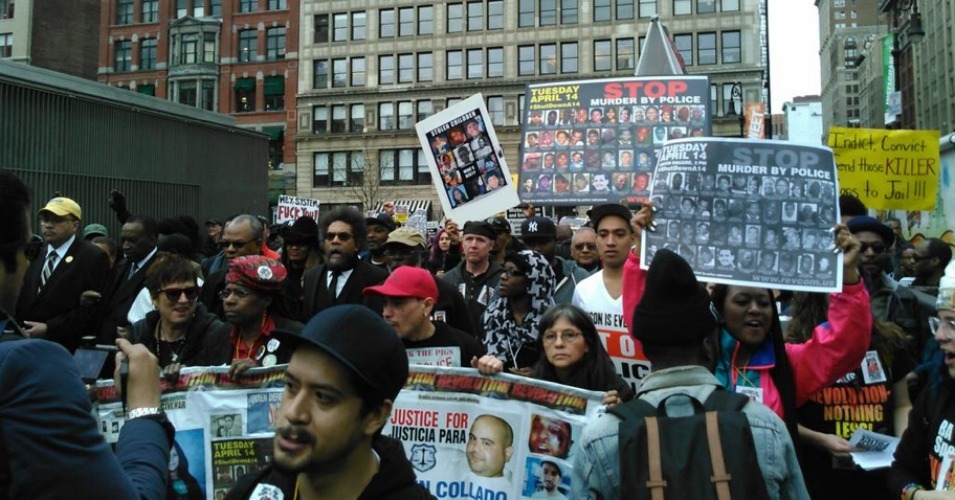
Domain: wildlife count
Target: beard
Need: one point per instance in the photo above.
(331, 463)
(338, 261)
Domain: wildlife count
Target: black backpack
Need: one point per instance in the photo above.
(709, 454)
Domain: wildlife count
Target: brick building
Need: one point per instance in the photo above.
(25, 34)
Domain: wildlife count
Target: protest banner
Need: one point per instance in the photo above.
(888, 169)
(225, 428)
(291, 208)
(597, 141)
(471, 436)
(466, 161)
(748, 213)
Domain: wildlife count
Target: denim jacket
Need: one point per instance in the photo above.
(597, 469)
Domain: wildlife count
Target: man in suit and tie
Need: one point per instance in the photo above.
(343, 276)
(138, 238)
(49, 303)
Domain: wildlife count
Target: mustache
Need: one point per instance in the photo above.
(296, 433)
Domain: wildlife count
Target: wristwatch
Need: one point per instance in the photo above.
(155, 414)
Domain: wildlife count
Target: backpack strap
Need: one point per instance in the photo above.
(722, 400)
(656, 484)
(720, 477)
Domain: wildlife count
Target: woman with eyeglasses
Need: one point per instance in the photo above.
(511, 320)
(252, 300)
(928, 440)
(176, 330)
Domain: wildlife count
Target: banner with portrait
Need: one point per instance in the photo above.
(502, 437)
(597, 141)
(748, 213)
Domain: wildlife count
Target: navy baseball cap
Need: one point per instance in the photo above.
(361, 340)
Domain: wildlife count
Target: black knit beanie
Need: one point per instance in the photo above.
(675, 308)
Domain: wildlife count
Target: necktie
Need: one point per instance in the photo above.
(333, 287)
(132, 270)
(48, 269)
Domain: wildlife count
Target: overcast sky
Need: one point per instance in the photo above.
(793, 50)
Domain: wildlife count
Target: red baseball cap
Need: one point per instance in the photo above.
(407, 281)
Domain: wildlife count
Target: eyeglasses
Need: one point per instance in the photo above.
(401, 253)
(234, 244)
(550, 338)
(513, 273)
(174, 294)
(877, 248)
(585, 246)
(341, 236)
(238, 292)
(934, 323)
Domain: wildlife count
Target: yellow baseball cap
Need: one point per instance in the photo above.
(63, 206)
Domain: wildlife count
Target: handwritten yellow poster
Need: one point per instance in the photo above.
(888, 169)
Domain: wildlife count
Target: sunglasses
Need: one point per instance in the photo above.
(877, 248)
(341, 236)
(235, 244)
(935, 323)
(174, 294)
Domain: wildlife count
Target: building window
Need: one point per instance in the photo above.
(731, 47)
(358, 72)
(548, 12)
(495, 15)
(248, 5)
(624, 9)
(274, 93)
(356, 122)
(124, 11)
(386, 116)
(520, 107)
(320, 176)
(147, 54)
(475, 16)
(602, 10)
(148, 89)
(526, 64)
(426, 20)
(244, 95)
(495, 62)
(321, 28)
(358, 26)
(602, 57)
(729, 5)
(495, 108)
(277, 5)
(406, 68)
(386, 70)
(684, 45)
(6, 9)
(626, 56)
(405, 115)
(548, 59)
(406, 21)
(150, 13)
(403, 166)
(319, 120)
(123, 57)
(340, 27)
(475, 63)
(730, 106)
(182, 8)
(339, 73)
(275, 44)
(248, 45)
(706, 48)
(455, 18)
(682, 7)
(320, 74)
(425, 67)
(187, 93)
(337, 169)
(648, 8)
(339, 121)
(215, 8)
(714, 100)
(455, 63)
(705, 6)
(425, 108)
(386, 23)
(568, 11)
(568, 57)
(526, 13)
(209, 47)
(6, 44)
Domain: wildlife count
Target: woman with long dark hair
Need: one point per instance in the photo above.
(445, 249)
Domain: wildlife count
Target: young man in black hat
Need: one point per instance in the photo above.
(379, 227)
(338, 396)
(678, 328)
(477, 276)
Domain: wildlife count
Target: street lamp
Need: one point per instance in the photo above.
(915, 33)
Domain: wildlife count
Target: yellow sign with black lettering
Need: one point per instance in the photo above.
(888, 169)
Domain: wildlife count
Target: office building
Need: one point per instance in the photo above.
(61, 36)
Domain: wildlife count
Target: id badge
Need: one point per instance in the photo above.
(753, 393)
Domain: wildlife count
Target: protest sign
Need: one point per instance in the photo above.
(466, 161)
(888, 169)
(225, 428)
(597, 141)
(748, 213)
(470, 436)
(291, 208)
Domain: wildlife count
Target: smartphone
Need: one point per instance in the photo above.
(90, 362)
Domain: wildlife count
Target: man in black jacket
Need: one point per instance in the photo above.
(338, 396)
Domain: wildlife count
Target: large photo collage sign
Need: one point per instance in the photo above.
(750, 213)
(597, 141)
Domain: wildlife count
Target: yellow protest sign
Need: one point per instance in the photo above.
(888, 169)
